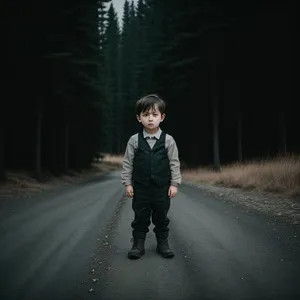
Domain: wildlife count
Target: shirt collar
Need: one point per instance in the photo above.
(155, 135)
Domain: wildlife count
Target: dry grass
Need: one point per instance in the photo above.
(109, 163)
(23, 182)
(113, 159)
(280, 175)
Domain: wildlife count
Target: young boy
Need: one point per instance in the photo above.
(151, 174)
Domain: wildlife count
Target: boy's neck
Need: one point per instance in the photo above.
(151, 131)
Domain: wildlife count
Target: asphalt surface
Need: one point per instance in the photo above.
(71, 243)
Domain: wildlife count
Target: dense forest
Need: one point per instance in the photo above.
(72, 73)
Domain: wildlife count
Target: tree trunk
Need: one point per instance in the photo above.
(53, 152)
(2, 154)
(283, 134)
(216, 149)
(66, 156)
(38, 144)
(240, 138)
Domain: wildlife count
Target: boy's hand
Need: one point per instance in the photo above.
(172, 191)
(129, 190)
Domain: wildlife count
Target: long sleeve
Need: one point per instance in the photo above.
(174, 162)
(127, 166)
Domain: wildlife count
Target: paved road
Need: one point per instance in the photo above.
(72, 244)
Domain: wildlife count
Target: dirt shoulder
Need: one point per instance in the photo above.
(22, 185)
(276, 205)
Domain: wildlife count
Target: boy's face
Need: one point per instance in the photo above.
(151, 119)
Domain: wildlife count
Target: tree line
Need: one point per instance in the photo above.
(52, 91)
(224, 68)
(73, 72)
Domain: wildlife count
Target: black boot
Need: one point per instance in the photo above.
(138, 249)
(163, 248)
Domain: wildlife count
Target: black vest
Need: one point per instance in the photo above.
(151, 164)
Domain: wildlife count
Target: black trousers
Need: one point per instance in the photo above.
(150, 203)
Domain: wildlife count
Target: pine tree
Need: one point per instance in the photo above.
(110, 113)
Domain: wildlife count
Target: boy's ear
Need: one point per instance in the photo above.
(163, 117)
(138, 118)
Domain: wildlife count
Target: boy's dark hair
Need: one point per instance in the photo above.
(148, 102)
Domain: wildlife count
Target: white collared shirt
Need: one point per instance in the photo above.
(132, 145)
